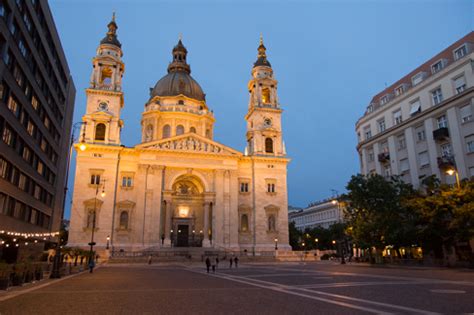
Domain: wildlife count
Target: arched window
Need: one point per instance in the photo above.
(244, 223)
(90, 219)
(149, 133)
(269, 145)
(266, 95)
(208, 133)
(192, 129)
(179, 130)
(123, 220)
(166, 131)
(271, 223)
(106, 76)
(100, 132)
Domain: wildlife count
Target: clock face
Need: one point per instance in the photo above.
(267, 122)
(103, 106)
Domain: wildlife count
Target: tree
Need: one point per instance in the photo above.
(294, 236)
(446, 217)
(377, 213)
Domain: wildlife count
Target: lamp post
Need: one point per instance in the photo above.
(276, 243)
(55, 273)
(316, 243)
(454, 171)
(92, 243)
(108, 240)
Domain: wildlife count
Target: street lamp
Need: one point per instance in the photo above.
(55, 273)
(316, 242)
(108, 240)
(92, 243)
(452, 171)
(276, 244)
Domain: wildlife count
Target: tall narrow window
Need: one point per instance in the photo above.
(244, 223)
(192, 129)
(268, 145)
(100, 132)
(266, 95)
(91, 219)
(179, 130)
(166, 131)
(124, 220)
(95, 179)
(271, 223)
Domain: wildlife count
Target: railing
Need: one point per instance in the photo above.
(178, 108)
(441, 134)
(384, 157)
(446, 162)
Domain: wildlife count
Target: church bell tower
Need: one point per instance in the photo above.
(264, 135)
(104, 95)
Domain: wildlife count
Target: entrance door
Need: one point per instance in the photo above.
(183, 235)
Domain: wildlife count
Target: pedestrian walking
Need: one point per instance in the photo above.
(230, 261)
(217, 262)
(214, 267)
(208, 264)
(149, 259)
(236, 261)
(91, 265)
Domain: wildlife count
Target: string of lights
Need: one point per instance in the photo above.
(23, 239)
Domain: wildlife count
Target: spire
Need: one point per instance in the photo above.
(262, 55)
(111, 36)
(179, 58)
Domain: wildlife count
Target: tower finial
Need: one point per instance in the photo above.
(261, 39)
(113, 16)
(180, 36)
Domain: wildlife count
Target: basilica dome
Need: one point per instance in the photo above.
(178, 81)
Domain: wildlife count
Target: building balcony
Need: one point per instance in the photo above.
(384, 157)
(441, 134)
(446, 162)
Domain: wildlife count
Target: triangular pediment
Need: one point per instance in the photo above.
(189, 142)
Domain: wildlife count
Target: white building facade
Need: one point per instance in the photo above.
(318, 214)
(423, 124)
(178, 187)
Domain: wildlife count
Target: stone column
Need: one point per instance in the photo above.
(167, 231)
(206, 242)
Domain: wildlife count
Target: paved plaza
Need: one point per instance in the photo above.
(323, 288)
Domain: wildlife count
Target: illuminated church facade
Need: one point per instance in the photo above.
(178, 187)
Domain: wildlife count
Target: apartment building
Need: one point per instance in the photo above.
(36, 106)
(423, 124)
(323, 213)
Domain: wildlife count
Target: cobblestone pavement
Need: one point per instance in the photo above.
(290, 288)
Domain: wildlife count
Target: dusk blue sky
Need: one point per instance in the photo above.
(330, 58)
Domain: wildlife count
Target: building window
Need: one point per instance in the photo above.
(192, 130)
(271, 223)
(384, 100)
(166, 131)
(244, 223)
(437, 96)
(244, 187)
(397, 117)
(127, 181)
(268, 145)
(149, 133)
(466, 113)
(416, 79)
(367, 132)
(446, 150)
(13, 106)
(459, 84)
(100, 132)
(381, 124)
(265, 95)
(471, 171)
(8, 137)
(271, 187)
(400, 90)
(460, 52)
(123, 220)
(415, 107)
(370, 156)
(387, 171)
(442, 122)
(437, 67)
(421, 135)
(404, 166)
(470, 144)
(179, 130)
(402, 144)
(423, 158)
(95, 179)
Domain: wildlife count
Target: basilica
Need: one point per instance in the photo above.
(178, 187)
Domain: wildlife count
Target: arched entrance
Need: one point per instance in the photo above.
(188, 214)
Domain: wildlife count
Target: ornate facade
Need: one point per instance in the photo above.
(178, 187)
